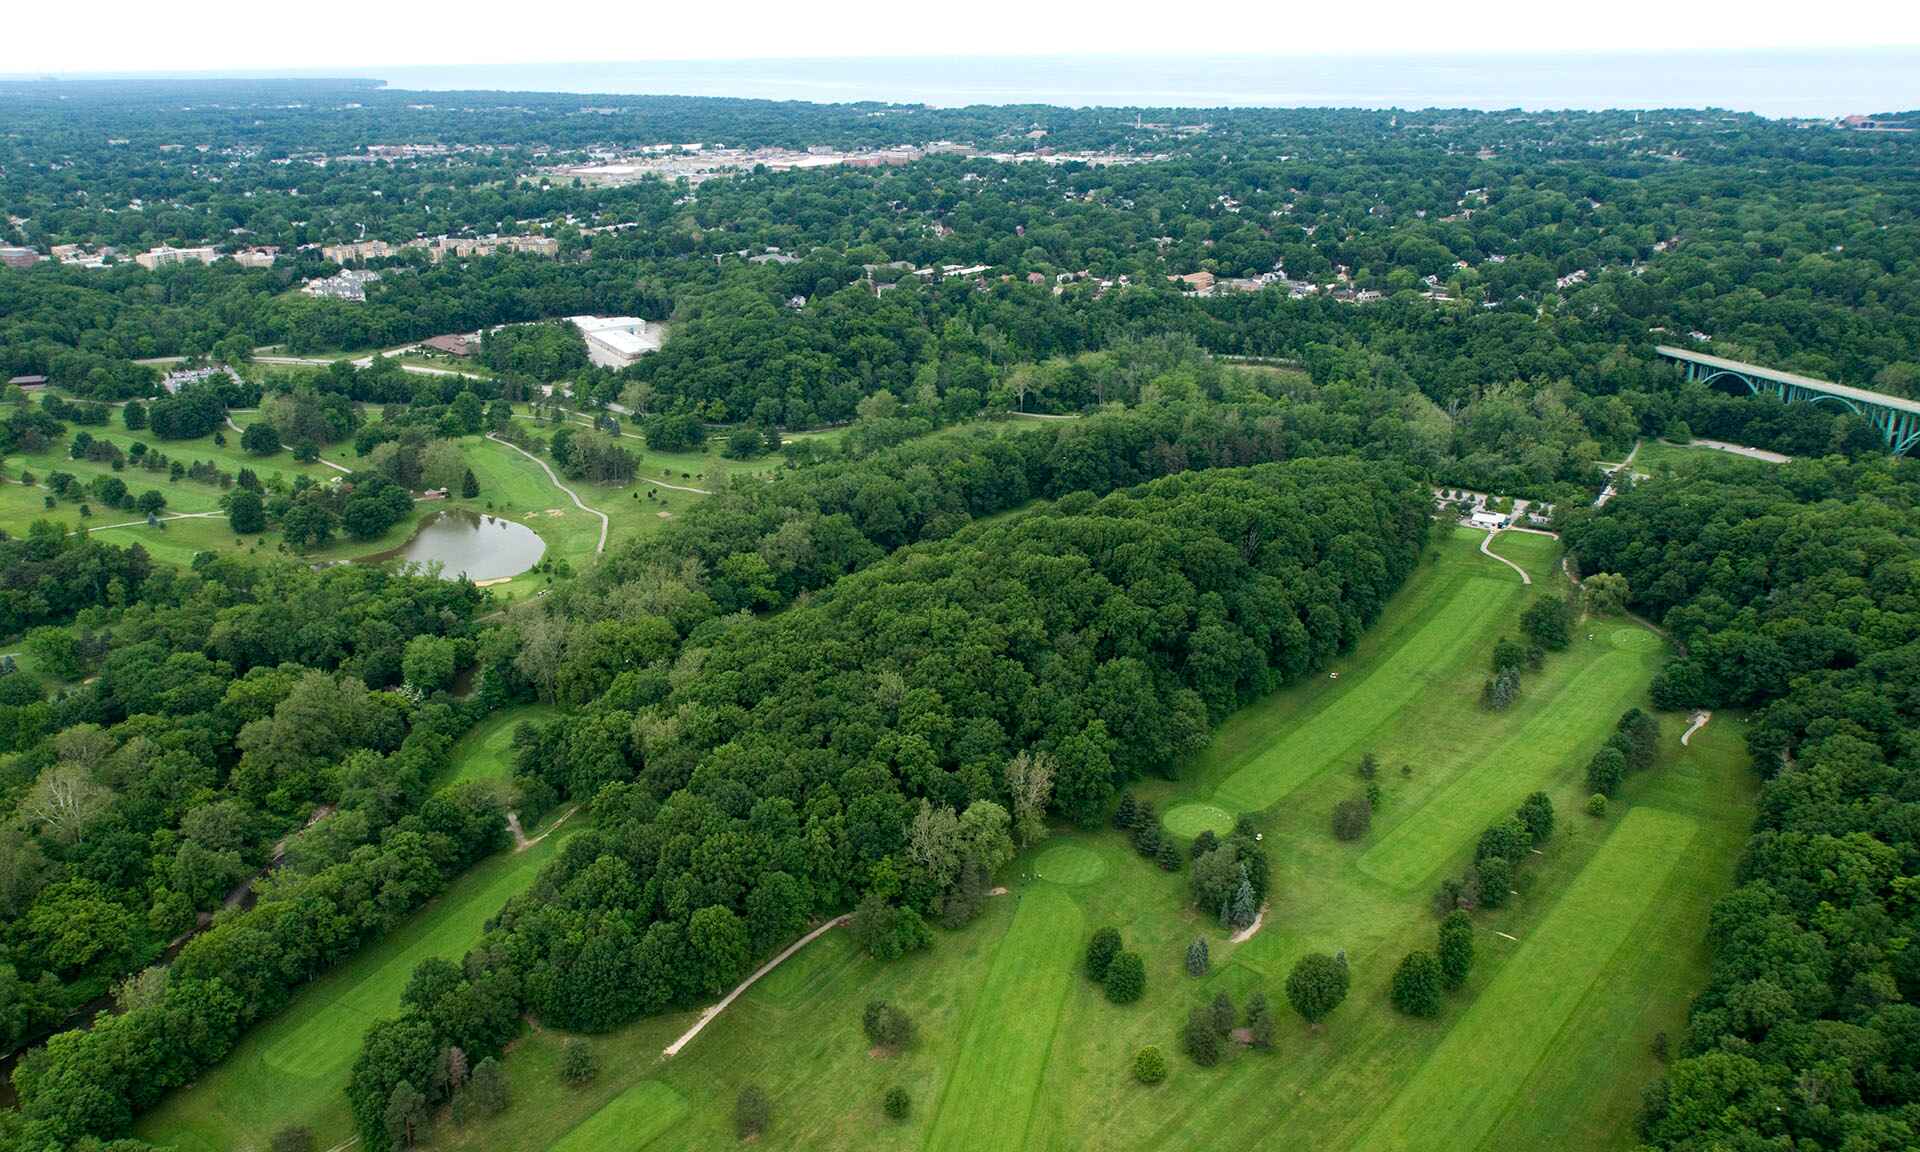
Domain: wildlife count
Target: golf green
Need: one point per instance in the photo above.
(1189, 820)
(1070, 864)
(1634, 639)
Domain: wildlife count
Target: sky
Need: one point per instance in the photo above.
(251, 36)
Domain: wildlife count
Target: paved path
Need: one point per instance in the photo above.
(1491, 533)
(707, 1017)
(1700, 719)
(571, 494)
(317, 459)
(1743, 450)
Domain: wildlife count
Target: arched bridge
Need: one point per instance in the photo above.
(1895, 418)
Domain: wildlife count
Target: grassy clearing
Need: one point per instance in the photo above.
(990, 1097)
(629, 1122)
(1462, 1090)
(293, 1068)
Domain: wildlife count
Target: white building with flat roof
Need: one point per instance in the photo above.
(617, 341)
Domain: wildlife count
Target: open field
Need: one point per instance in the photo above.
(1607, 926)
(1656, 456)
(293, 1068)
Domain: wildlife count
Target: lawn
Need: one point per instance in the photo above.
(486, 752)
(1548, 1045)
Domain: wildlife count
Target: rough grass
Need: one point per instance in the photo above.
(1463, 1089)
(629, 1122)
(486, 752)
(991, 1093)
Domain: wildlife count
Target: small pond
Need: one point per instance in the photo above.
(464, 542)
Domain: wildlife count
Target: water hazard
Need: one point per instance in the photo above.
(472, 544)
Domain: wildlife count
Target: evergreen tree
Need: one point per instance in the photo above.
(1197, 960)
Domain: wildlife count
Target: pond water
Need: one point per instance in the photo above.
(464, 542)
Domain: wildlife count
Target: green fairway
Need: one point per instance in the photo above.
(629, 1122)
(1370, 699)
(486, 753)
(1462, 1090)
(1070, 864)
(990, 1095)
(1189, 820)
(292, 1069)
(1579, 715)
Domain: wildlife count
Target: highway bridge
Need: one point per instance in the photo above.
(1896, 418)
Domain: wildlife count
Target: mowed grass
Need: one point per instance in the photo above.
(1462, 1090)
(629, 1122)
(1371, 699)
(486, 752)
(1189, 820)
(1070, 864)
(292, 1069)
(1579, 713)
(990, 1096)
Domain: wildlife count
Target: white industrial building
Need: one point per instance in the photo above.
(617, 341)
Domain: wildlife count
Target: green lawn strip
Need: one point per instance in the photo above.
(1587, 1087)
(990, 1094)
(1570, 726)
(629, 1122)
(292, 1069)
(1467, 1084)
(486, 752)
(1351, 717)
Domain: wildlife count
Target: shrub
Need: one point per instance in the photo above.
(1203, 844)
(1352, 818)
(897, 1104)
(1150, 1066)
(1101, 951)
(1198, 962)
(1126, 979)
(1536, 812)
(886, 1025)
(1200, 1039)
(1495, 881)
(1596, 805)
(1416, 985)
(577, 1062)
(751, 1112)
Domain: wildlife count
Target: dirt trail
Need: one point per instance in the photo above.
(521, 841)
(1246, 934)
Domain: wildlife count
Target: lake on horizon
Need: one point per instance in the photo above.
(1779, 84)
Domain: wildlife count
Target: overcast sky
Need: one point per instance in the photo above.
(263, 35)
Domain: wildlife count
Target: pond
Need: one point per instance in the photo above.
(464, 542)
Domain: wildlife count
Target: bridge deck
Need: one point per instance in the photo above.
(1808, 382)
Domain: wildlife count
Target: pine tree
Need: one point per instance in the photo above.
(1260, 1021)
(1243, 910)
(469, 485)
(1198, 961)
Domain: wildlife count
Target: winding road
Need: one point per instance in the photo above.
(571, 494)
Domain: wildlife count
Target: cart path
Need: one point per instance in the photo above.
(708, 1016)
(1491, 533)
(571, 494)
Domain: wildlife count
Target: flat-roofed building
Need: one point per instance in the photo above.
(617, 341)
